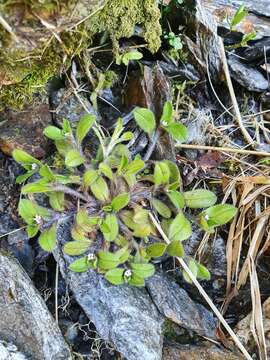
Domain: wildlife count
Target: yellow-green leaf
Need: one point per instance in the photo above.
(47, 239)
(120, 201)
(161, 208)
(84, 125)
(180, 228)
(74, 158)
(200, 198)
(145, 119)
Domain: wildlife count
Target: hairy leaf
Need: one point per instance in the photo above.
(180, 228)
(47, 239)
(145, 119)
(84, 125)
(199, 198)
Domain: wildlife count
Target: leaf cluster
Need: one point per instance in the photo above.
(110, 197)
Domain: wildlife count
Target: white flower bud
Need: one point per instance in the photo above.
(38, 219)
(128, 273)
(91, 257)
(34, 166)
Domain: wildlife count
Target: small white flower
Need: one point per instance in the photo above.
(38, 219)
(34, 166)
(128, 273)
(91, 257)
(164, 123)
(206, 217)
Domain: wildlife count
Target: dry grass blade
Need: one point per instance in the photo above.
(232, 94)
(253, 248)
(256, 324)
(223, 149)
(203, 293)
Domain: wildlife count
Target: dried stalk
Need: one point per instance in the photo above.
(203, 293)
(232, 94)
(223, 149)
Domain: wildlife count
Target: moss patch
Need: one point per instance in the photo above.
(26, 71)
(119, 18)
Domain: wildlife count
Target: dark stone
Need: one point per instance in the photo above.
(25, 320)
(123, 315)
(175, 304)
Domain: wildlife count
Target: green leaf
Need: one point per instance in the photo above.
(84, 125)
(78, 234)
(175, 177)
(53, 133)
(192, 265)
(46, 172)
(248, 37)
(178, 132)
(167, 114)
(142, 270)
(47, 239)
(32, 230)
(127, 136)
(218, 215)
(115, 276)
(156, 250)
(239, 15)
(73, 158)
(131, 55)
(89, 177)
(175, 248)
(120, 201)
(57, 200)
(161, 208)
(136, 280)
(85, 221)
(134, 167)
(35, 187)
(107, 260)
(24, 158)
(161, 173)
(22, 178)
(27, 210)
(176, 198)
(76, 247)
(202, 272)
(200, 198)
(180, 228)
(100, 189)
(79, 265)
(112, 224)
(66, 127)
(145, 119)
(106, 170)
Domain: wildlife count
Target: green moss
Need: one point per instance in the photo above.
(119, 18)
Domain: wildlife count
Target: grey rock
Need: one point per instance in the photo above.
(246, 75)
(174, 303)
(67, 106)
(25, 320)
(18, 244)
(9, 351)
(258, 17)
(123, 315)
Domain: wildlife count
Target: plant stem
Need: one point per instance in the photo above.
(152, 145)
(74, 193)
(203, 293)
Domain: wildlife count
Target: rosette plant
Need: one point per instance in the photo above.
(113, 197)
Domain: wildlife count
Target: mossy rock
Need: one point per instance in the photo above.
(46, 36)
